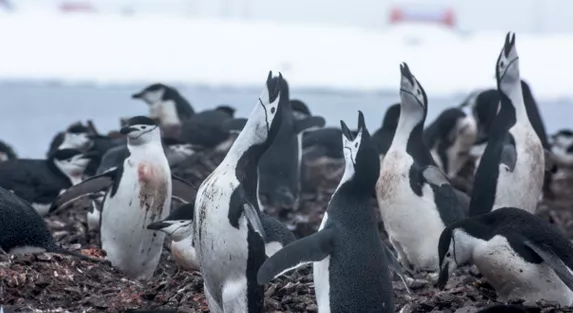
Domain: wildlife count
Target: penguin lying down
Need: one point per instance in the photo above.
(179, 225)
(22, 229)
(519, 254)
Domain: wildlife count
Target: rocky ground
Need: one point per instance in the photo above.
(55, 283)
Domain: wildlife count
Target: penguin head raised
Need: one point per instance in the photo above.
(178, 224)
(71, 162)
(360, 156)
(141, 130)
(264, 121)
(453, 250)
(507, 66)
(414, 102)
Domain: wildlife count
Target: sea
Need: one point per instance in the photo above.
(33, 112)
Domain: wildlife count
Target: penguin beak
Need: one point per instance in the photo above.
(126, 130)
(137, 95)
(444, 276)
(158, 225)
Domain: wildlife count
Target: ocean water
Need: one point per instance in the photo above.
(32, 112)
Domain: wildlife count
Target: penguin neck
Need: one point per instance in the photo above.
(351, 202)
(515, 95)
(138, 147)
(168, 115)
(409, 138)
(249, 144)
(59, 173)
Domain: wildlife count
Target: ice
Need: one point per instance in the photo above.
(114, 49)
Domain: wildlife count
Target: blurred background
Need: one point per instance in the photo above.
(65, 61)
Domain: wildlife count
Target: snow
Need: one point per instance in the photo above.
(113, 49)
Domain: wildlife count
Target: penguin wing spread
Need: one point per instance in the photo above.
(395, 264)
(313, 248)
(87, 187)
(509, 156)
(554, 262)
(182, 190)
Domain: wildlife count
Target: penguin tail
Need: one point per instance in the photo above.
(53, 248)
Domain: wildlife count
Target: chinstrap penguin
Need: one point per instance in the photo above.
(562, 147)
(229, 237)
(165, 103)
(519, 254)
(178, 225)
(511, 170)
(6, 152)
(280, 166)
(206, 129)
(77, 136)
(40, 181)
(450, 138)
(347, 252)
(415, 197)
(138, 192)
(22, 229)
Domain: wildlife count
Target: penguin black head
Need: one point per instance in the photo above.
(77, 136)
(71, 162)
(6, 152)
(226, 109)
(177, 224)
(507, 67)
(299, 109)
(360, 156)
(454, 247)
(141, 129)
(265, 119)
(164, 101)
(414, 103)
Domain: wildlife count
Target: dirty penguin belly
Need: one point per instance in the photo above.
(143, 197)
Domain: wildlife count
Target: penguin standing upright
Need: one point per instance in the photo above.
(138, 192)
(511, 170)
(350, 268)
(520, 255)
(228, 231)
(415, 197)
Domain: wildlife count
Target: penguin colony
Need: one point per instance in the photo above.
(222, 230)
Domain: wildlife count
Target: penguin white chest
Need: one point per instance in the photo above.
(514, 278)
(222, 249)
(184, 254)
(522, 187)
(142, 197)
(413, 222)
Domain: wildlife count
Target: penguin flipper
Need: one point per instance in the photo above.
(311, 122)
(87, 187)
(252, 215)
(396, 266)
(313, 248)
(182, 190)
(554, 262)
(509, 156)
(448, 202)
(433, 175)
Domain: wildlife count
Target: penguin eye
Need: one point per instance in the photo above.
(181, 222)
(143, 127)
(356, 145)
(501, 64)
(448, 254)
(418, 91)
(272, 110)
